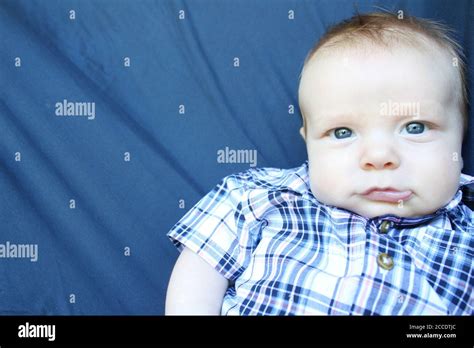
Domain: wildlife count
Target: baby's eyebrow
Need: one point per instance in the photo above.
(350, 118)
(329, 120)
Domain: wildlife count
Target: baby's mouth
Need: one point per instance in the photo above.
(387, 195)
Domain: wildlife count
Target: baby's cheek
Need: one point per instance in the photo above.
(436, 177)
(443, 167)
(446, 181)
(327, 170)
(325, 186)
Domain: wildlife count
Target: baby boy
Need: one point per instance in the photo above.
(375, 221)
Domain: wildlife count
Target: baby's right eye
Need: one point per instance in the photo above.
(342, 133)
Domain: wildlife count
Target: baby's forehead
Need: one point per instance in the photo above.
(387, 39)
(344, 50)
(426, 68)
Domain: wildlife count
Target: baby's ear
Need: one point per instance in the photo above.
(302, 133)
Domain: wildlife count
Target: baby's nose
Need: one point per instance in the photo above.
(380, 154)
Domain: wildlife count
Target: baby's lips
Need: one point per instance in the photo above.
(388, 195)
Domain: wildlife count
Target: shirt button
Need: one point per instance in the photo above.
(385, 261)
(385, 226)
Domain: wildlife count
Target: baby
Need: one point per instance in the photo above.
(374, 222)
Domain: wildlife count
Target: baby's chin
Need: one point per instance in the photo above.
(370, 210)
(371, 213)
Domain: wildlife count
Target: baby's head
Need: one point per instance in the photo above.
(384, 106)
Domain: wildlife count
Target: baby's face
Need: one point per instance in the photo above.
(383, 120)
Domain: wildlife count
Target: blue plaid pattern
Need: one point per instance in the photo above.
(285, 253)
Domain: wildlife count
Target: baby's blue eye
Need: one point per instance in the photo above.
(415, 127)
(342, 133)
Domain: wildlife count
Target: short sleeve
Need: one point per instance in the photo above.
(217, 230)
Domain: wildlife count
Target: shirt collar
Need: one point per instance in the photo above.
(466, 188)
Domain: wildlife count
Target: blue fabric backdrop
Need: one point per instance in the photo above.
(172, 82)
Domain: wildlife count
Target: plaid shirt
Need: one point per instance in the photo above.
(286, 253)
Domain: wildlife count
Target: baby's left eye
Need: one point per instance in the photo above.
(342, 133)
(415, 127)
